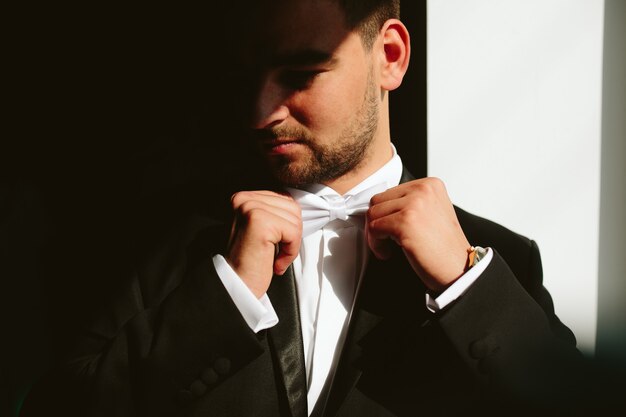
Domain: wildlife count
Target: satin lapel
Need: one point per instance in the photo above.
(286, 342)
(406, 176)
(368, 313)
(364, 320)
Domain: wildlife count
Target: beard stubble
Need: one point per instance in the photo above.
(325, 163)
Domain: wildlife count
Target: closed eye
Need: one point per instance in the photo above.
(298, 79)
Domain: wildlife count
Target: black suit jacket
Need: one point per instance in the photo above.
(173, 343)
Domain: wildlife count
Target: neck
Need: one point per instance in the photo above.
(373, 161)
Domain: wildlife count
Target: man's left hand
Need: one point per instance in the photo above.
(420, 218)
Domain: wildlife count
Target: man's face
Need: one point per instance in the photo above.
(316, 106)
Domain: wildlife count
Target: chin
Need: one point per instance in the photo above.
(290, 179)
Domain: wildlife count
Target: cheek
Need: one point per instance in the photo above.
(330, 105)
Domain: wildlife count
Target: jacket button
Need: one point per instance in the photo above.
(198, 388)
(221, 366)
(209, 376)
(483, 347)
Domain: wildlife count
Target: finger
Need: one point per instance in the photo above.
(283, 195)
(261, 228)
(268, 197)
(246, 207)
(391, 227)
(390, 194)
(271, 222)
(288, 249)
(429, 186)
(386, 208)
(381, 248)
(286, 254)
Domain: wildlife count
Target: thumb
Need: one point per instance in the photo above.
(380, 246)
(286, 252)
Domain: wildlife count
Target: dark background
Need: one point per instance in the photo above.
(119, 117)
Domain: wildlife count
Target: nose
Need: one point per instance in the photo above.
(270, 107)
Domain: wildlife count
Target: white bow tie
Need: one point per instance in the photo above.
(317, 211)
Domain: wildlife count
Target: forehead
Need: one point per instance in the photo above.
(287, 27)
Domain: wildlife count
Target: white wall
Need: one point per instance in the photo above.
(514, 114)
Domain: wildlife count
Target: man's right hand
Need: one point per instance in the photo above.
(265, 237)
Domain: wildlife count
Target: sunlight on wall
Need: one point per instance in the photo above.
(514, 113)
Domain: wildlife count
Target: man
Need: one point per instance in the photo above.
(352, 289)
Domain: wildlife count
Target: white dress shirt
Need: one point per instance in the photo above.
(327, 271)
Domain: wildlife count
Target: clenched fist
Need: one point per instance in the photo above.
(419, 217)
(265, 237)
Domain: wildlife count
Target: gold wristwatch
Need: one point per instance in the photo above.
(474, 255)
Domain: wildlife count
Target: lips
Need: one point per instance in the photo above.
(280, 146)
(279, 141)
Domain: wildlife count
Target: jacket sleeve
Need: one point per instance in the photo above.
(171, 325)
(506, 331)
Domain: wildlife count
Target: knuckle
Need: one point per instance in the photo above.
(408, 216)
(238, 198)
(435, 181)
(294, 208)
(248, 206)
(376, 198)
(435, 184)
(418, 187)
(294, 204)
(373, 225)
(426, 187)
(255, 215)
(416, 202)
(234, 199)
(405, 242)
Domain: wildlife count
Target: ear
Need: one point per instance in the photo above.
(395, 54)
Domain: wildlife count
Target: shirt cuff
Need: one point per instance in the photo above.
(459, 287)
(258, 313)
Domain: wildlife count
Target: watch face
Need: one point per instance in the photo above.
(480, 254)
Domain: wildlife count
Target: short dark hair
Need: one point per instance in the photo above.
(368, 16)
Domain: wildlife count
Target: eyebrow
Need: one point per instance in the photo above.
(303, 58)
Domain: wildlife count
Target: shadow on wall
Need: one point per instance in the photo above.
(115, 110)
